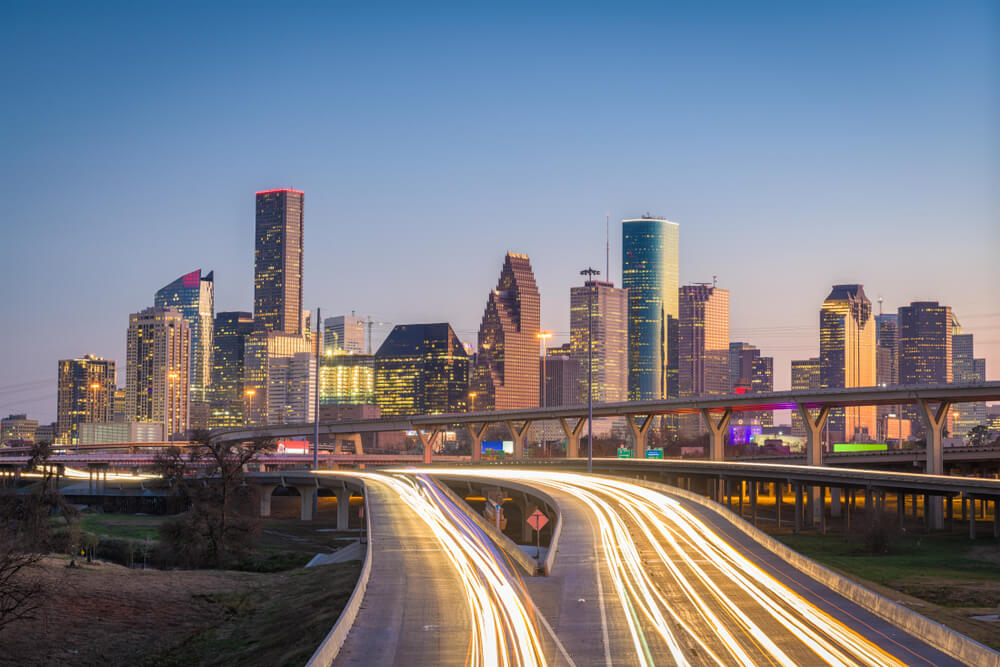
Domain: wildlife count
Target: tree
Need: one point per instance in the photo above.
(213, 530)
(978, 435)
(20, 593)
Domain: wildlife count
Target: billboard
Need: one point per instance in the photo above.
(498, 447)
(859, 447)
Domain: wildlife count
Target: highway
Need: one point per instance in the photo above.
(676, 585)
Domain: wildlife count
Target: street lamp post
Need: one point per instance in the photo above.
(472, 401)
(590, 272)
(94, 386)
(543, 337)
(249, 393)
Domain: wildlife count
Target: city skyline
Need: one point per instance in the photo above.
(894, 164)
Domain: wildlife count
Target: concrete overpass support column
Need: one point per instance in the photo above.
(265, 499)
(835, 502)
(996, 518)
(428, 442)
(572, 436)
(477, 431)
(972, 517)
(343, 508)
(718, 428)
(307, 493)
(518, 435)
(639, 432)
(949, 511)
(901, 508)
(355, 438)
(777, 501)
(822, 510)
(934, 422)
(753, 503)
(814, 448)
(798, 508)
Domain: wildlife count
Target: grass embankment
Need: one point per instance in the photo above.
(947, 578)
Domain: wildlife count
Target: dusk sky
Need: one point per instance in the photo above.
(796, 145)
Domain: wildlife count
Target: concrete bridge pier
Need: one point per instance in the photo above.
(477, 431)
(265, 499)
(428, 442)
(343, 508)
(718, 430)
(639, 432)
(353, 438)
(572, 435)
(934, 423)
(518, 435)
(835, 498)
(814, 447)
(308, 493)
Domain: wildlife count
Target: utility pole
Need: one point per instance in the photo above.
(590, 272)
(319, 358)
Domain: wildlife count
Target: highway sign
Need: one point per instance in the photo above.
(654, 453)
(537, 520)
(624, 453)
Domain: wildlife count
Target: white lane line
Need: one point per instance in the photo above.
(552, 633)
(604, 613)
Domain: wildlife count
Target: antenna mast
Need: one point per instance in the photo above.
(607, 247)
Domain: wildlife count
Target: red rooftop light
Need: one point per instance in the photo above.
(267, 192)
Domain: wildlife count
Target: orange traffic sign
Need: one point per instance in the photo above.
(537, 520)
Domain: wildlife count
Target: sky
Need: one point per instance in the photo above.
(798, 145)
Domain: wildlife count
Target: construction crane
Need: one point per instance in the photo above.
(371, 323)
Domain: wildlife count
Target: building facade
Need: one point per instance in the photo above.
(966, 368)
(86, 394)
(344, 332)
(562, 377)
(194, 296)
(805, 377)
(422, 369)
(650, 274)
(229, 335)
(925, 330)
(702, 347)
(847, 359)
(505, 375)
(600, 308)
(261, 348)
(157, 382)
(346, 378)
(277, 299)
(291, 393)
(17, 429)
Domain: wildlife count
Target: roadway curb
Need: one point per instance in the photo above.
(944, 639)
(550, 556)
(327, 651)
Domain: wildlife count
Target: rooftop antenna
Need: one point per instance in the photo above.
(880, 304)
(715, 280)
(607, 246)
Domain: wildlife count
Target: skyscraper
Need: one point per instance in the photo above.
(847, 358)
(157, 382)
(346, 378)
(805, 377)
(506, 371)
(261, 349)
(229, 339)
(344, 332)
(562, 377)
(650, 274)
(291, 388)
(887, 368)
(966, 368)
(422, 369)
(194, 296)
(85, 396)
(741, 358)
(277, 299)
(925, 343)
(608, 310)
(17, 430)
(702, 346)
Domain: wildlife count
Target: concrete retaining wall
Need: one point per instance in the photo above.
(327, 651)
(939, 636)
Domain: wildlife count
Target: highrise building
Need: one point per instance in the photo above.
(966, 368)
(607, 311)
(505, 375)
(277, 299)
(17, 429)
(229, 335)
(346, 378)
(925, 329)
(562, 377)
(741, 358)
(86, 395)
(194, 296)
(344, 332)
(650, 274)
(847, 358)
(702, 347)
(805, 377)
(157, 382)
(291, 388)
(422, 369)
(261, 348)
(761, 381)
(887, 368)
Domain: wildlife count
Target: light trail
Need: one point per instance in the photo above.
(503, 630)
(686, 591)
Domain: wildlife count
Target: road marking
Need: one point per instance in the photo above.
(604, 613)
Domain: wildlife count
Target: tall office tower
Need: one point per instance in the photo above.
(194, 296)
(86, 395)
(805, 377)
(847, 358)
(157, 382)
(649, 273)
(120, 407)
(741, 358)
(562, 377)
(703, 347)
(966, 368)
(505, 375)
(17, 430)
(291, 389)
(228, 342)
(422, 369)
(277, 281)
(925, 329)
(762, 380)
(887, 368)
(344, 332)
(346, 378)
(260, 349)
(608, 315)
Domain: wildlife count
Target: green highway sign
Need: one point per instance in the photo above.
(624, 453)
(654, 453)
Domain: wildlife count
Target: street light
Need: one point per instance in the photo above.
(590, 272)
(250, 393)
(472, 401)
(172, 376)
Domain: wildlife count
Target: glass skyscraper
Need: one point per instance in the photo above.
(228, 340)
(277, 280)
(966, 368)
(608, 310)
(85, 396)
(194, 296)
(650, 274)
(847, 358)
(422, 369)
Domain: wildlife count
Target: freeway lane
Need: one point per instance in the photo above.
(693, 590)
(414, 611)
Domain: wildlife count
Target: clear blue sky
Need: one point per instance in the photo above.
(797, 144)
